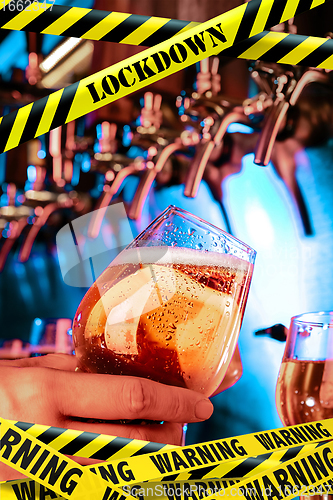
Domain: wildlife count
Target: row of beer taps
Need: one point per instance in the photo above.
(59, 162)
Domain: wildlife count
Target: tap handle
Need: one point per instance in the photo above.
(208, 79)
(15, 230)
(41, 216)
(269, 132)
(34, 43)
(197, 168)
(141, 193)
(107, 137)
(55, 152)
(204, 151)
(151, 114)
(148, 178)
(109, 192)
(278, 332)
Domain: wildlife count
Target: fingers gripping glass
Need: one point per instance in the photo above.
(169, 307)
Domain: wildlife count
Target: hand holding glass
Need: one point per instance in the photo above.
(169, 307)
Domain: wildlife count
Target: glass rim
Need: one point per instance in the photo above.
(312, 318)
(243, 246)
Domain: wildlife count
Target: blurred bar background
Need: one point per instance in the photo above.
(204, 139)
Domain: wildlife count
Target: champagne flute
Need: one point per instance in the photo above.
(304, 391)
(169, 307)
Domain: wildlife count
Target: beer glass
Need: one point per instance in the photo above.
(304, 391)
(169, 307)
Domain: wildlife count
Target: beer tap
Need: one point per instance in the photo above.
(160, 148)
(40, 201)
(205, 149)
(152, 169)
(285, 94)
(34, 44)
(42, 214)
(105, 150)
(115, 167)
(62, 159)
(216, 115)
(286, 84)
(208, 80)
(13, 220)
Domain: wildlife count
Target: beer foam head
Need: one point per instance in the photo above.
(176, 255)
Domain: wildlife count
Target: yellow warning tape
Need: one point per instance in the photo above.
(144, 68)
(90, 24)
(119, 27)
(24, 490)
(106, 448)
(48, 467)
(54, 471)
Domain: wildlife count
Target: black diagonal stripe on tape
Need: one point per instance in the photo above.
(6, 126)
(200, 473)
(282, 48)
(318, 55)
(247, 466)
(303, 6)
(64, 105)
(24, 426)
(34, 118)
(45, 19)
(171, 28)
(149, 448)
(275, 14)
(172, 477)
(125, 28)
(6, 15)
(291, 453)
(111, 448)
(81, 26)
(77, 443)
(239, 48)
(247, 21)
(50, 434)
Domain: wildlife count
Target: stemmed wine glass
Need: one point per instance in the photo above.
(304, 391)
(169, 307)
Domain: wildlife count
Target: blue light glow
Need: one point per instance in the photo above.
(127, 135)
(36, 331)
(41, 154)
(85, 167)
(3, 200)
(76, 169)
(134, 152)
(2, 167)
(240, 128)
(31, 173)
(99, 131)
(11, 50)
